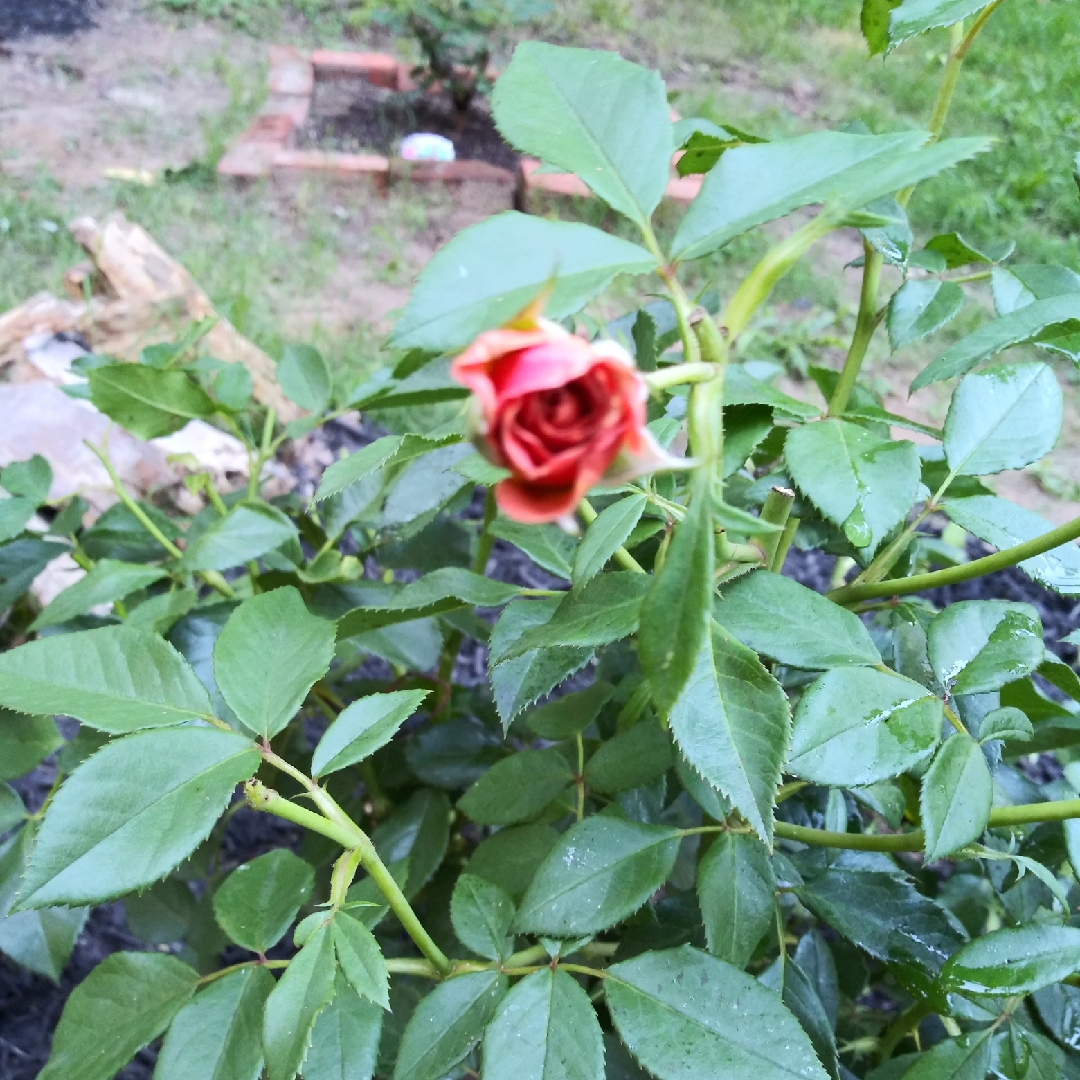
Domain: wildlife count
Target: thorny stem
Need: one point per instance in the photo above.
(952, 575)
(621, 555)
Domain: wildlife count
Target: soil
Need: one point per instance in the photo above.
(355, 117)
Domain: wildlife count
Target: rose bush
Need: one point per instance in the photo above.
(694, 819)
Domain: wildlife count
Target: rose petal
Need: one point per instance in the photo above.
(534, 506)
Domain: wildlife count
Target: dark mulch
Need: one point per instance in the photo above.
(354, 117)
(23, 18)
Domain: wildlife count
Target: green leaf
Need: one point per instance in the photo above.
(736, 889)
(365, 726)
(603, 611)
(547, 545)
(920, 308)
(245, 533)
(1018, 286)
(132, 812)
(545, 1029)
(42, 941)
(125, 1003)
(793, 624)
(957, 795)
(447, 1024)
(732, 722)
(741, 388)
(886, 916)
(12, 810)
(160, 613)
(977, 646)
(268, 656)
(601, 871)
(630, 759)
(570, 714)
(517, 683)
(957, 252)
(874, 22)
(360, 959)
(1003, 418)
(345, 1041)
(383, 453)
(257, 903)
(755, 184)
(591, 113)
(215, 1036)
(510, 857)
(916, 16)
(482, 914)
(115, 679)
(1007, 724)
(419, 830)
(856, 726)
(607, 533)
(491, 271)
(676, 611)
(15, 513)
(860, 482)
(25, 741)
(687, 1016)
(1016, 960)
(1004, 524)
(800, 995)
(146, 401)
(966, 1058)
(31, 479)
(1019, 327)
(440, 591)
(516, 788)
(304, 377)
(21, 562)
(293, 1006)
(162, 914)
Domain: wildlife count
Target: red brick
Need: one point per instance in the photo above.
(268, 129)
(321, 161)
(249, 160)
(293, 106)
(451, 171)
(284, 54)
(295, 77)
(553, 183)
(404, 78)
(378, 68)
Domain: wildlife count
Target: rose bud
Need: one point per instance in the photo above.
(560, 413)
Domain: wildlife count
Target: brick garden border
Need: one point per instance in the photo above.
(267, 147)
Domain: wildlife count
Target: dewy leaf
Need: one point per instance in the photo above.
(920, 308)
(687, 1016)
(360, 959)
(146, 401)
(268, 656)
(25, 741)
(1018, 327)
(755, 184)
(957, 795)
(601, 871)
(547, 545)
(125, 1003)
(915, 16)
(779, 617)
(482, 914)
(545, 1029)
(604, 611)
(1017, 960)
(490, 271)
(304, 377)
(115, 679)
(607, 533)
(257, 903)
(732, 722)
(1003, 418)
(345, 1040)
(382, 453)
(736, 889)
(245, 533)
(1004, 524)
(977, 646)
(363, 727)
(132, 812)
(676, 611)
(510, 857)
(966, 1058)
(516, 788)
(859, 481)
(447, 1024)
(216, 1035)
(856, 726)
(305, 989)
(517, 683)
(591, 113)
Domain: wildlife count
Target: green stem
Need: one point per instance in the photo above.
(865, 324)
(679, 375)
(787, 538)
(953, 575)
(679, 300)
(486, 540)
(621, 555)
(220, 974)
(900, 1028)
(260, 797)
(775, 510)
(579, 778)
(706, 406)
(342, 877)
(265, 451)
